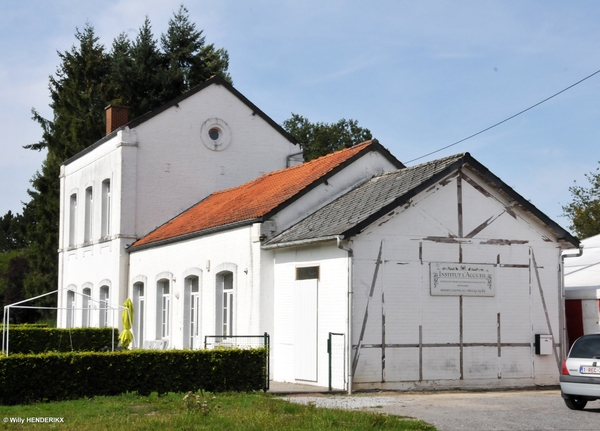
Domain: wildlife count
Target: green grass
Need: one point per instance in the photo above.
(232, 411)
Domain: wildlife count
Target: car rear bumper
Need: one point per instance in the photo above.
(580, 385)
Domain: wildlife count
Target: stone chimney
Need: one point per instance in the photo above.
(116, 116)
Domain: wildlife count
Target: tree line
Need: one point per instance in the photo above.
(143, 74)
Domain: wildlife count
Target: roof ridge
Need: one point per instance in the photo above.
(453, 156)
(213, 80)
(420, 165)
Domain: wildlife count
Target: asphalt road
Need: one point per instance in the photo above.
(479, 411)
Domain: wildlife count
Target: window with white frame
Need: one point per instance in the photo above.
(164, 309)
(103, 306)
(191, 315)
(89, 208)
(106, 203)
(70, 309)
(86, 307)
(139, 308)
(225, 303)
(72, 219)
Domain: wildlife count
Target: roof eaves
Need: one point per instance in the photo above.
(301, 242)
(561, 233)
(192, 235)
(93, 146)
(217, 80)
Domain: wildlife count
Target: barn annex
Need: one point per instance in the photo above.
(437, 275)
(582, 290)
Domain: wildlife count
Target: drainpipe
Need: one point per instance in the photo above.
(341, 246)
(563, 320)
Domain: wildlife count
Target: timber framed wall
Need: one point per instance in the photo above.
(405, 337)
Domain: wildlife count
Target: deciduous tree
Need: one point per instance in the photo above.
(318, 139)
(584, 209)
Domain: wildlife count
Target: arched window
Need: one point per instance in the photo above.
(105, 222)
(86, 307)
(104, 306)
(72, 219)
(191, 316)
(163, 301)
(70, 309)
(139, 300)
(89, 209)
(225, 303)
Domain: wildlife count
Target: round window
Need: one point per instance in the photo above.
(215, 134)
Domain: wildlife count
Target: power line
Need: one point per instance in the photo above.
(506, 119)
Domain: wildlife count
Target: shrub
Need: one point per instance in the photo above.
(59, 376)
(35, 339)
(27, 325)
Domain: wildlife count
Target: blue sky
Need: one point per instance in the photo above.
(419, 74)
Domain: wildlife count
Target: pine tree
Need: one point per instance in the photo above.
(135, 74)
(189, 61)
(121, 70)
(79, 95)
(148, 65)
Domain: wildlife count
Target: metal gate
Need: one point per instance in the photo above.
(336, 351)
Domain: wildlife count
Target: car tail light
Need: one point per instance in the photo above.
(564, 370)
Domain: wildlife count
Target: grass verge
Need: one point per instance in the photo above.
(231, 411)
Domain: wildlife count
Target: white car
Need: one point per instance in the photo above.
(580, 374)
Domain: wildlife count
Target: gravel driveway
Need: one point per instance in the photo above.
(480, 411)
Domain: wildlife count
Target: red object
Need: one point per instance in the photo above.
(574, 320)
(116, 116)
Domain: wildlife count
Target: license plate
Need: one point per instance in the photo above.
(589, 370)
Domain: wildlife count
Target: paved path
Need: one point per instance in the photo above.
(478, 411)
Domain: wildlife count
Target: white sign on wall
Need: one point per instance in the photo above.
(462, 279)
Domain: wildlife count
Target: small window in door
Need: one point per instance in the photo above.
(307, 273)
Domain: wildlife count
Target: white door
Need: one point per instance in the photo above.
(305, 329)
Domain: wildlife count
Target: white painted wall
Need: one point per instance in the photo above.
(100, 261)
(424, 345)
(205, 256)
(157, 170)
(332, 306)
(176, 169)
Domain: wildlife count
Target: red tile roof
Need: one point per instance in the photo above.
(251, 200)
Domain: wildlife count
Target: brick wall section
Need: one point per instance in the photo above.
(116, 116)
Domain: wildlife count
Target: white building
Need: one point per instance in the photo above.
(438, 275)
(582, 290)
(146, 172)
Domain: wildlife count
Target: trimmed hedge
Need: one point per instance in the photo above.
(27, 325)
(61, 376)
(32, 339)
